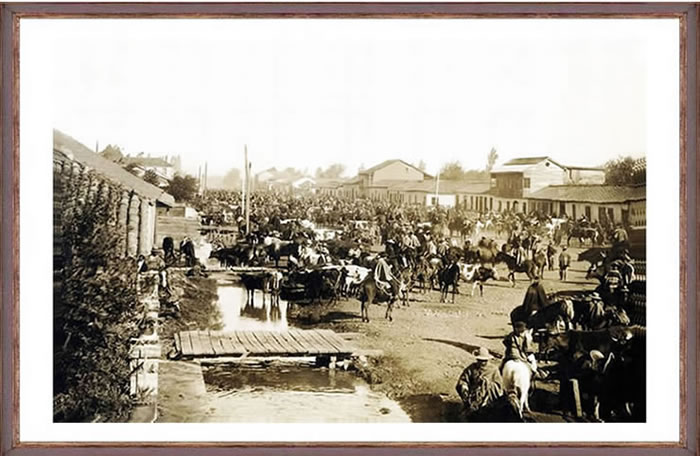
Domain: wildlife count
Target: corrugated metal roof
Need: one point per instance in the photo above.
(78, 152)
(590, 193)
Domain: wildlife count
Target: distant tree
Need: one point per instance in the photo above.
(491, 159)
(332, 172)
(452, 171)
(183, 188)
(151, 177)
(232, 179)
(625, 171)
(292, 172)
(476, 174)
(113, 153)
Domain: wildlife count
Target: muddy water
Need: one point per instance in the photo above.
(282, 392)
(240, 313)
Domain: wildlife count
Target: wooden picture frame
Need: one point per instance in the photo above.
(11, 14)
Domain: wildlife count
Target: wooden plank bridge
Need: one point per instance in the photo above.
(293, 342)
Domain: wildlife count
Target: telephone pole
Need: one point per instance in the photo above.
(247, 191)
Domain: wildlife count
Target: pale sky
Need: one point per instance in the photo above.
(309, 93)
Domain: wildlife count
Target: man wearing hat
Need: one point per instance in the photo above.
(519, 347)
(480, 382)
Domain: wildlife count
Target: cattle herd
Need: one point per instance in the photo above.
(319, 248)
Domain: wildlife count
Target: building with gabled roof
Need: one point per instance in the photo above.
(74, 163)
(614, 203)
(520, 177)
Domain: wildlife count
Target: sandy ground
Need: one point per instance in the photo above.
(428, 343)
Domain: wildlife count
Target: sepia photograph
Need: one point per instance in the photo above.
(386, 221)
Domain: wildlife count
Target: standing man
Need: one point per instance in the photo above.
(564, 263)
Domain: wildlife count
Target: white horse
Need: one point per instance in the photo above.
(517, 376)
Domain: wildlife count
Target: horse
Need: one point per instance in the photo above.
(528, 266)
(449, 275)
(370, 291)
(517, 377)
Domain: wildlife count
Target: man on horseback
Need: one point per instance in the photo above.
(519, 347)
(384, 278)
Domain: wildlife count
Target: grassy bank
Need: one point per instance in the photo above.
(197, 298)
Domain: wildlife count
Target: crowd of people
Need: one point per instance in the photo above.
(415, 236)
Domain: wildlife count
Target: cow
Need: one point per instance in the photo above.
(253, 282)
(354, 275)
(277, 248)
(478, 275)
(516, 383)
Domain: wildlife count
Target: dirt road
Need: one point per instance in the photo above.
(428, 344)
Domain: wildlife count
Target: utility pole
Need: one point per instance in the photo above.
(247, 192)
(206, 175)
(244, 180)
(437, 190)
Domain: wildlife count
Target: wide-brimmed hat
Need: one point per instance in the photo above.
(482, 354)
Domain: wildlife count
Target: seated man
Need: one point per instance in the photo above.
(383, 276)
(480, 383)
(519, 347)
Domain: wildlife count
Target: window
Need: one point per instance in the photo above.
(500, 206)
(525, 208)
(433, 201)
(562, 209)
(491, 203)
(526, 182)
(588, 212)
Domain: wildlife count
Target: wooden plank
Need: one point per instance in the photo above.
(250, 343)
(238, 346)
(291, 345)
(271, 342)
(310, 344)
(216, 344)
(330, 338)
(238, 343)
(326, 346)
(226, 344)
(187, 349)
(258, 337)
(178, 345)
(205, 343)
